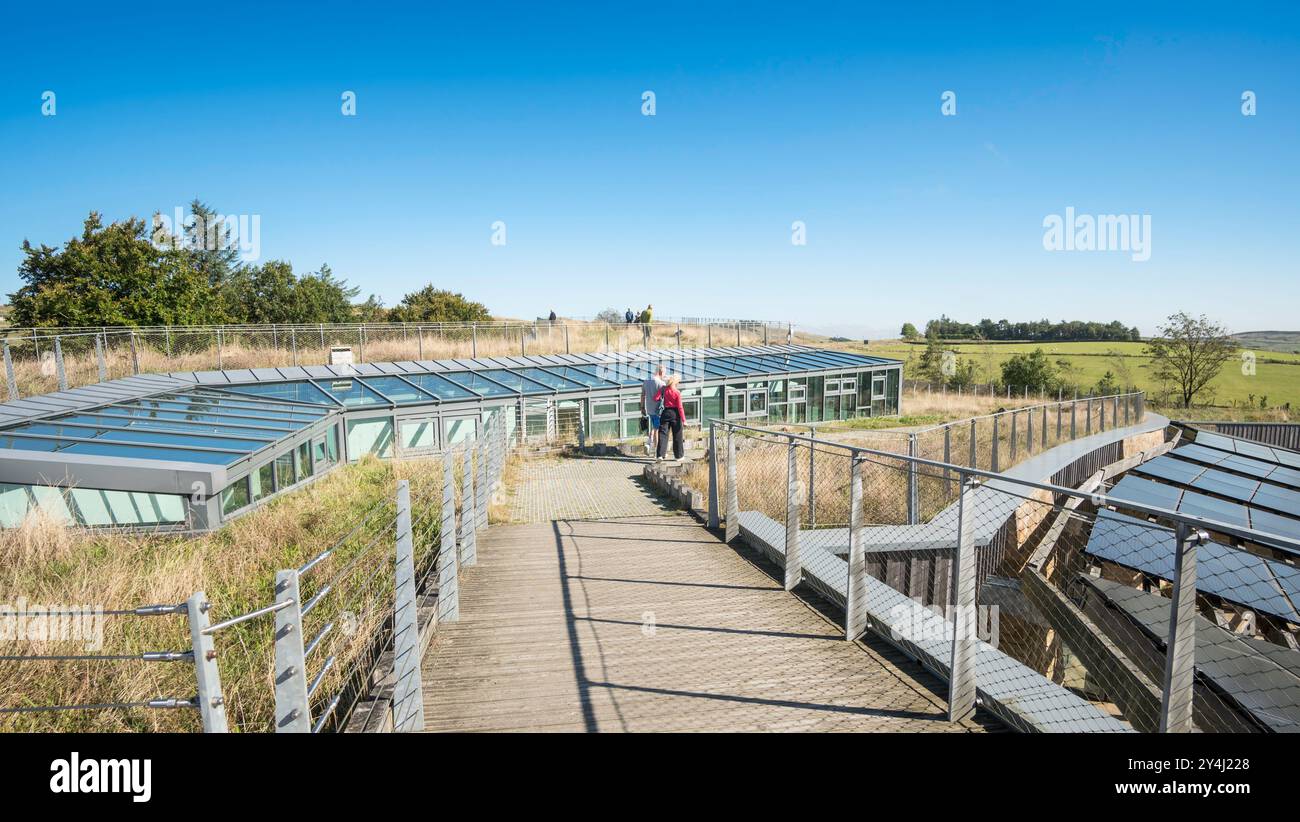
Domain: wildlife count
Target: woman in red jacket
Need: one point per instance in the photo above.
(671, 418)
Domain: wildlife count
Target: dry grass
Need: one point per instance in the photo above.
(47, 564)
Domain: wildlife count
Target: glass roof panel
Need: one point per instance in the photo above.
(478, 384)
(397, 390)
(352, 392)
(177, 426)
(578, 375)
(554, 380)
(1285, 500)
(110, 449)
(514, 381)
(441, 387)
(143, 436)
(1274, 523)
(115, 415)
(300, 391)
(172, 410)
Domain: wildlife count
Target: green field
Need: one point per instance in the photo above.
(1276, 377)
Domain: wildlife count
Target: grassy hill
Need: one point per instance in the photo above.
(1276, 379)
(1283, 341)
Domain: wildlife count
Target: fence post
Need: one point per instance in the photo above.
(961, 670)
(1044, 435)
(733, 498)
(1114, 412)
(212, 704)
(448, 572)
(292, 714)
(167, 340)
(713, 476)
(480, 486)
(99, 358)
(9, 373)
(994, 466)
(812, 478)
(1180, 647)
(947, 458)
(1074, 422)
(1087, 422)
(1029, 431)
(58, 364)
(468, 516)
(855, 611)
(1060, 415)
(708, 331)
(220, 349)
(913, 490)
(566, 338)
(793, 569)
(135, 355)
(293, 343)
(408, 692)
(473, 339)
(974, 454)
(1011, 440)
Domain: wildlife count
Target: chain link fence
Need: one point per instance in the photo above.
(38, 361)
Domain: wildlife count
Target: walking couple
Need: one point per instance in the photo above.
(661, 404)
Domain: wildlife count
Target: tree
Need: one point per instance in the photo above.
(909, 332)
(272, 293)
(1189, 353)
(610, 315)
(111, 275)
(432, 305)
(1033, 371)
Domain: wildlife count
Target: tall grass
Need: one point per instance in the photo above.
(45, 563)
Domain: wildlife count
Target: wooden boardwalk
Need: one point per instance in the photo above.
(650, 623)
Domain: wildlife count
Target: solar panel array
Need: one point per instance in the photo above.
(1262, 584)
(1222, 485)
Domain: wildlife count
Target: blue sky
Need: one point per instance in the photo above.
(766, 114)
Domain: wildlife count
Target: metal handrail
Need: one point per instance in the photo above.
(1097, 499)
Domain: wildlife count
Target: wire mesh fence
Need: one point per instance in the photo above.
(39, 361)
(1061, 608)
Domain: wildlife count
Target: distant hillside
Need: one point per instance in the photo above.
(1284, 341)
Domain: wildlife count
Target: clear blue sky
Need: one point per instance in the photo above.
(766, 114)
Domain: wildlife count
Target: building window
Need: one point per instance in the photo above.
(234, 496)
(283, 471)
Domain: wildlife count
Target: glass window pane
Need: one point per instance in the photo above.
(461, 430)
(261, 482)
(304, 461)
(373, 436)
(417, 434)
(234, 496)
(283, 471)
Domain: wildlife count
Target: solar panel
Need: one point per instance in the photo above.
(1228, 485)
(1171, 469)
(1146, 492)
(1240, 577)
